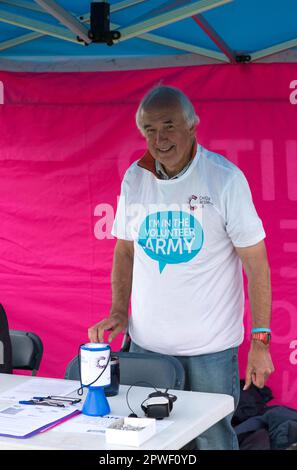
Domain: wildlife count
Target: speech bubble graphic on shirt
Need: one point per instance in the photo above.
(171, 237)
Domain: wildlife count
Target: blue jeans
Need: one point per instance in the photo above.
(212, 373)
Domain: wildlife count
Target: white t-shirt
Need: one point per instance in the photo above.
(187, 292)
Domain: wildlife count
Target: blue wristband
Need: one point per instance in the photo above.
(260, 330)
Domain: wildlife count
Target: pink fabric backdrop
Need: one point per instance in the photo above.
(66, 140)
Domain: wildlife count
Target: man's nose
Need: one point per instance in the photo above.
(160, 137)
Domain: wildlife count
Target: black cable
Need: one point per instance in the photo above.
(136, 383)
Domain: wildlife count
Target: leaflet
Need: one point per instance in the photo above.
(24, 421)
(39, 387)
(97, 425)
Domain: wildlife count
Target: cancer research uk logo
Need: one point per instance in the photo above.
(171, 237)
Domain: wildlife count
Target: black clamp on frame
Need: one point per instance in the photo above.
(242, 58)
(100, 24)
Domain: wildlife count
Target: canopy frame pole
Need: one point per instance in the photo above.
(66, 18)
(170, 17)
(215, 37)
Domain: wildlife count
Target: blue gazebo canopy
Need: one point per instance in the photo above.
(43, 34)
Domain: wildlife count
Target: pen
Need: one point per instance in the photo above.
(57, 398)
(39, 402)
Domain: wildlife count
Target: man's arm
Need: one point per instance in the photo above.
(255, 263)
(121, 282)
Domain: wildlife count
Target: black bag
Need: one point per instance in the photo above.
(252, 402)
(5, 344)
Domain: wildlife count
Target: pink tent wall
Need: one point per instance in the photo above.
(66, 140)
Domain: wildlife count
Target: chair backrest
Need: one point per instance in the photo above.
(5, 344)
(159, 370)
(27, 350)
(155, 369)
(126, 342)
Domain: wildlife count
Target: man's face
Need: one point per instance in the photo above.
(168, 135)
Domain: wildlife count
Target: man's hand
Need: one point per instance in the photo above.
(116, 322)
(259, 366)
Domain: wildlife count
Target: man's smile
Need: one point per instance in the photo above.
(165, 149)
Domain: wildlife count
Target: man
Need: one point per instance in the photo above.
(185, 224)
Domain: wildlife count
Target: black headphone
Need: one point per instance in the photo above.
(158, 404)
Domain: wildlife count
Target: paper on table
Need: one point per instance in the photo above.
(88, 424)
(98, 425)
(25, 420)
(39, 387)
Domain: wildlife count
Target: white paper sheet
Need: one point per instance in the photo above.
(88, 424)
(97, 425)
(21, 420)
(40, 387)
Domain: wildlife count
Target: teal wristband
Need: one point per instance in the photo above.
(261, 330)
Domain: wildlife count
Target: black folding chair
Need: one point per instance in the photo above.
(27, 350)
(5, 344)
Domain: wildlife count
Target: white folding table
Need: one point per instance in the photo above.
(192, 414)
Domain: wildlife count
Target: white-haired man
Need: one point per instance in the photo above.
(185, 224)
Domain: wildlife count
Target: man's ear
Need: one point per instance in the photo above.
(192, 130)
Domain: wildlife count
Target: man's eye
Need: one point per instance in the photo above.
(150, 131)
(169, 127)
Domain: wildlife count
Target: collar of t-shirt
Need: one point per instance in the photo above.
(149, 163)
(163, 175)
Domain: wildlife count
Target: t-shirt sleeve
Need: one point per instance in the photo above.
(120, 228)
(243, 224)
